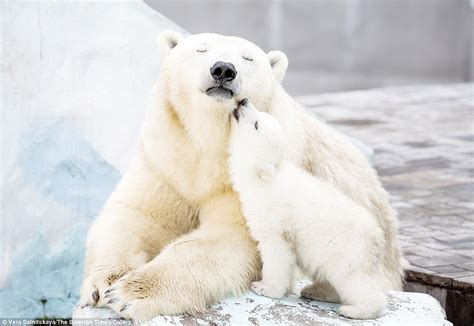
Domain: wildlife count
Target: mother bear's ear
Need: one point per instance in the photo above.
(167, 40)
(279, 64)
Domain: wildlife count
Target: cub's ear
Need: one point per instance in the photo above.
(266, 172)
(167, 40)
(279, 64)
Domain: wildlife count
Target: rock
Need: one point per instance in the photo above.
(404, 308)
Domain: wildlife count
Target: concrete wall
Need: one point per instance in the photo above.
(345, 44)
(75, 80)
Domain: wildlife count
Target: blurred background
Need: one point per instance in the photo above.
(75, 83)
(345, 44)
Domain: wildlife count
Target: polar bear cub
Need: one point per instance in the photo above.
(299, 220)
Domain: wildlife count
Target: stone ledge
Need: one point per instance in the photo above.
(403, 309)
(438, 281)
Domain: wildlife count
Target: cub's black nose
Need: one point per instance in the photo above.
(223, 71)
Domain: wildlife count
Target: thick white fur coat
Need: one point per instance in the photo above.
(300, 220)
(171, 237)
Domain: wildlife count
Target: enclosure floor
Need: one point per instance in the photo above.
(423, 138)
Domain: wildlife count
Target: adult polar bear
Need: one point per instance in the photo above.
(173, 231)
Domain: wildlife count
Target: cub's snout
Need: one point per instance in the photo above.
(238, 112)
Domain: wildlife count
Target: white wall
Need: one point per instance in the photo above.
(345, 44)
(75, 84)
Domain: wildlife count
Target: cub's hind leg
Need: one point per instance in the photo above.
(362, 296)
(320, 291)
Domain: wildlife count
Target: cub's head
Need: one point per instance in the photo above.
(256, 144)
(218, 71)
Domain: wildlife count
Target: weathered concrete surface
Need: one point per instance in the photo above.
(250, 309)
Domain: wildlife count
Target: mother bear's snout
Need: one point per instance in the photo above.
(223, 72)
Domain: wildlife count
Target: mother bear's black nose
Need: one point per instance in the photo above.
(223, 71)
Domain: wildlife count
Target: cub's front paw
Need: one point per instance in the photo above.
(261, 288)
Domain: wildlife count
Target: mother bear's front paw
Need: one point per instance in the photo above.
(134, 296)
(94, 286)
(261, 288)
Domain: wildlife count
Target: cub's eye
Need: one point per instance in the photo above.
(247, 58)
(201, 50)
(256, 125)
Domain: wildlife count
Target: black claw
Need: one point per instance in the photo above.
(113, 300)
(108, 291)
(244, 102)
(95, 296)
(124, 307)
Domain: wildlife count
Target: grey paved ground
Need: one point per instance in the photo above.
(423, 138)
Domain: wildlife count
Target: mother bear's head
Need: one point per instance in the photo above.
(211, 71)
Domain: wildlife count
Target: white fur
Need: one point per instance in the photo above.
(300, 220)
(173, 231)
